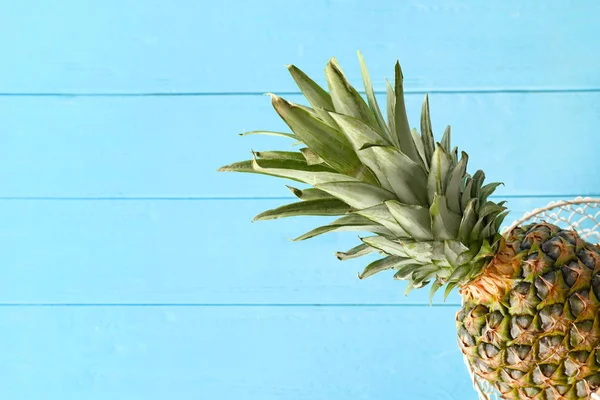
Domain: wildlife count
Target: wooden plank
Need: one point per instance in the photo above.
(231, 46)
(181, 252)
(283, 353)
(542, 144)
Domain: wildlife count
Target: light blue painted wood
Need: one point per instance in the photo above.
(235, 46)
(165, 147)
(250, 353)
(205, 304)
(173, 252)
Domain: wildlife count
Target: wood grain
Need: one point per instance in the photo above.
(130, 269)
(187, 46)
(182, 252)
(222, 353)
(537, 144)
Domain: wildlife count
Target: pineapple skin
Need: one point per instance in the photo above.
(529, 322)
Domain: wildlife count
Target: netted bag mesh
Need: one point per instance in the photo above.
(580, 214)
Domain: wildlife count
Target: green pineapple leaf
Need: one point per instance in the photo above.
(454, 184)
(371, 97)
(386, 245)
(351, 222)
(438, 173)
(478, 178)
(357, 251)
(445, 142)
(435, 286)
(319, 207)
(420, 148)
(391, 106)
(346, 100)
(381, 215)
(487, 190)
(406, 271)
(466, 194)
(407, 145)
(445, 223)
(415, 220)
(359, 195)
(394, 170)
(330, 144)
(382, 265)
(311, 157)
(315, 94)
(290, 169)
(432, 218)
(271, 133)
(468, 221)
(279, 155)
(406, 178)
(309, 194)
(426, 130)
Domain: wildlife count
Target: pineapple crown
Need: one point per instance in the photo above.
(430, 219)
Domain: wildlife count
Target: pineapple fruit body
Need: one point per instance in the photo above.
(529, 323)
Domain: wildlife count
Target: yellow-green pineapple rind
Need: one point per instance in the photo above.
(531, 325)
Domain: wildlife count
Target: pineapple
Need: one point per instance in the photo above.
(529, 322)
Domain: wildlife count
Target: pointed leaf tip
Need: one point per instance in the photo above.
(372, 101)
(346, 99)
(318, 207)
(399, 69)
(240, 166)
(402, 127)
(276, 99)
(269, 133)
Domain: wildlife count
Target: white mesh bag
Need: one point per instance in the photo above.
(580, 214)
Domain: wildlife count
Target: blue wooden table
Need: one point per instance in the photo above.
(130, 269)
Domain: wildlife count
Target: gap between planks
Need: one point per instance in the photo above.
(216, 305)
(293, 93)
(241, 198)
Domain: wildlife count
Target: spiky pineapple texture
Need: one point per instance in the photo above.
(430, 219)
(530, 322)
